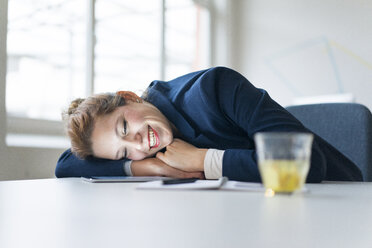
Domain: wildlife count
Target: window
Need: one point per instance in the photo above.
(45, 50)
(57, 53)
(186, 38)
(127, 51)
(134, 47)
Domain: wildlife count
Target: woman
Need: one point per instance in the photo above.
(202, 122)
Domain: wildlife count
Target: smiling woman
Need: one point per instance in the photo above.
(135, 131)
(117, 126)
(200, 124)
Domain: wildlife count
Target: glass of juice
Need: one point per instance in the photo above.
(283, 159)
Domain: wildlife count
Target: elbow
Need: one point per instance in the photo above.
(62, 164)
(58, 173)
(60, 170)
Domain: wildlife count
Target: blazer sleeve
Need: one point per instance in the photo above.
(69, 165)
(252, 110)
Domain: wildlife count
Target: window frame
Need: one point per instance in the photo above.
(3, 66)
(24, 125)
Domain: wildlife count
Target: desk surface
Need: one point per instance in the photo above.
(72, 213)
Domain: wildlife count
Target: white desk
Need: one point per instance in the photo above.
(72, 213)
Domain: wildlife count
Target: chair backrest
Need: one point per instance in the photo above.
(346, 126)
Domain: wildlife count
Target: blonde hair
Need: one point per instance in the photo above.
(80, 118)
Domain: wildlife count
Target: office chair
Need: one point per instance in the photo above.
(346, 126)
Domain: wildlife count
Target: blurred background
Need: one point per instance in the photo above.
(53, 51)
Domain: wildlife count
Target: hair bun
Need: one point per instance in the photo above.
(74, 105)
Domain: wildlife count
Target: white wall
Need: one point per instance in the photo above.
(302, 48)
(29, 163)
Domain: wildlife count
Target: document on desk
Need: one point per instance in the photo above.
(198, 184)
(243, 186)
(220, 184)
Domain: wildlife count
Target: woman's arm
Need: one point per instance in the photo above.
(69, 165)
(156, 167)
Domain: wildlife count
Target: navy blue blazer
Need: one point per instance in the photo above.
(219, 108)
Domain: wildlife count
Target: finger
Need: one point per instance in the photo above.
(169, 171)
(160, 156)
(182, 174)
(170, 147)
(199, 175)
(166, 156)
(178, 143)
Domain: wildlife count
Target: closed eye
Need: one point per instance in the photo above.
(125, 127)
(125, 153)
(125, 132)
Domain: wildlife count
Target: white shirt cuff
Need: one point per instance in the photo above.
(127, 168)
(213, 164)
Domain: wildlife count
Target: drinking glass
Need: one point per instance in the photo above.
(283, 159)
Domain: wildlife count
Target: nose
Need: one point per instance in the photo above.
(135, 142)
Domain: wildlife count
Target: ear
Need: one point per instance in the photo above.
(129, 96)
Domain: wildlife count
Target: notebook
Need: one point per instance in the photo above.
(121, 179)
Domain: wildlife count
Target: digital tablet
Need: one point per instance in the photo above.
(121, 179)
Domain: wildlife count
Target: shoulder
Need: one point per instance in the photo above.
(208, 76)
(222, 78)
(213, 82)
(210, 86)
(226, 86)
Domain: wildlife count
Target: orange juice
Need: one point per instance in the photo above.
(283, 175)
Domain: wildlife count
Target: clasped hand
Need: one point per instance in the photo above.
(180, 160)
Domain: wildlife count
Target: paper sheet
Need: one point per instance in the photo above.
(199, 184)
(243, 186)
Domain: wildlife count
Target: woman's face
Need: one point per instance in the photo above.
(135, 131)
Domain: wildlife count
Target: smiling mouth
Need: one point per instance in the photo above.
(153, 138)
